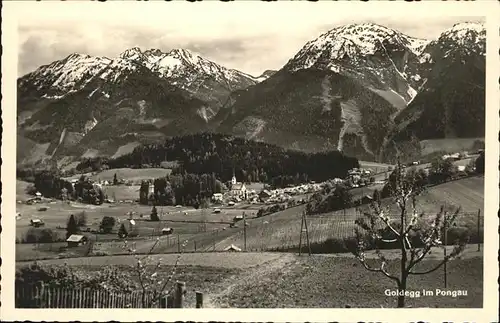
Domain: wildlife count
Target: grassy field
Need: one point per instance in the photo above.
(337, 282)
(452, 145)
(217, 259)
(278, 280)
(376, 167)
(21, 194)
(188, 224)
(272, 231)
(282, 229)
(134, 175)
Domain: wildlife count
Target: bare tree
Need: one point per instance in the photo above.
(413, 233)
(146, 269)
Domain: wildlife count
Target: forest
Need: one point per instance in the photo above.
(223, 155)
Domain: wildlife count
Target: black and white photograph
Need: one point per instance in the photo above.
(244, 158)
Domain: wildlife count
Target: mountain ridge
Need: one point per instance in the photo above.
(354, 88)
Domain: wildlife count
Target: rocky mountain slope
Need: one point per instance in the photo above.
(349, 89)
(94, 105)
(451, 102)
(364, 89)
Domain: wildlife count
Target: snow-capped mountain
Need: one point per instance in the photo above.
(347, 88)
(354, 88)
(384, 59)
(264, 76)
(85, 105)
(183, 68)
(451, 102)
(201, 77)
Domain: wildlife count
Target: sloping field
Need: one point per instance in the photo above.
(467, 193)
(130, 174)
(376, 167)
(213, 259)
(335, 282)
(452, 145)
(283, 228)
(21, 194)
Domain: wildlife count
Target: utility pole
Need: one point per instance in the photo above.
(445, 243)
(245, 231)
(303, 228)
(478, 230)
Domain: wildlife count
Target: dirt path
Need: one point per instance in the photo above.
(217, 299)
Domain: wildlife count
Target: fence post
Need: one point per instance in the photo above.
(164, 301)
(199, 300)
(170, 301)
(179, 294)
(178, 243)
(194, 245)
(445, 271)
(478, 230)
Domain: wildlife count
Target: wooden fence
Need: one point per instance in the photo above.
(40, 296)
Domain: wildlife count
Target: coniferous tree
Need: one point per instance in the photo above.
(71, 226)
(115, 180)
(154, 214)
(122, 232)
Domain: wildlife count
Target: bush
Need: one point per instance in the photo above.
(31, 189)
(35, 235)
(107, 224)
(81, 219)
(122, 232)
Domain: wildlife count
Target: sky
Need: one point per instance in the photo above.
(243, 37)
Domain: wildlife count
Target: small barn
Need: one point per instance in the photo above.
(76, 240)
(167, 231)
(36, 223)
(265, 194)
(232, 248)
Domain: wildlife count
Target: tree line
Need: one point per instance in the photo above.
(185, 189)
(223, 155)
(338, 197)
(50, 185)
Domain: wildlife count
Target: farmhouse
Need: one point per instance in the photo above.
(36, 223)
(217, 197)
(232, 248)
(167, 231)
(265, 194)
(76, 240)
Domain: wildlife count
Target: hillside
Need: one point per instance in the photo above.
(338, 88)
(282, 229)
(225, 156)
(360, 88)
(124, 103)
(451, 103)
(363, 89)
(95, 106)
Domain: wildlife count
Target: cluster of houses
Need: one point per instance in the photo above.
(238, 192)
(356, 177)
(38, 198)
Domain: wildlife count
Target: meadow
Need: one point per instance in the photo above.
(281, 230)
(196, 230)
(130, 174)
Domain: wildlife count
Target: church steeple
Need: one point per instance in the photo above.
(233, 180)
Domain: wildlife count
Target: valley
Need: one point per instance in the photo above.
(161, 164)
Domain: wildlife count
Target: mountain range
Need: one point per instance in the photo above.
(364, 89)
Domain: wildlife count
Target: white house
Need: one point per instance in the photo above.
(217, 197)
(232, 248)
(237, 188)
